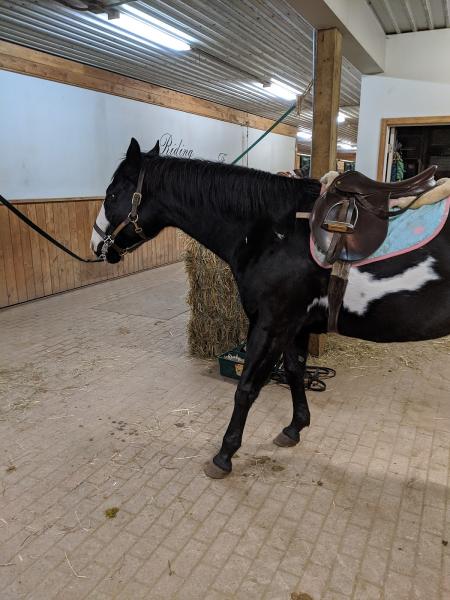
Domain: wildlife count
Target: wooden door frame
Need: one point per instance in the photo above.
(402, 122)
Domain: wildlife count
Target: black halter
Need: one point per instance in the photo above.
(133, 217)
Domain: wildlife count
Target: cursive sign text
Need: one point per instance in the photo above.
(169, 147)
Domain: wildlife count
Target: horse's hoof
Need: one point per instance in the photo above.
(284, 441)
(213, 471)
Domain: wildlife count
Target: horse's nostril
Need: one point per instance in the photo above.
(96, 248)
(112, 256)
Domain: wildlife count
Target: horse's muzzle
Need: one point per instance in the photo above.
(112, 256)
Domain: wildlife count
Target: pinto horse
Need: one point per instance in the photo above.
(247, 218)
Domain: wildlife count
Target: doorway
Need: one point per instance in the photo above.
(416, 148)
(408, 146)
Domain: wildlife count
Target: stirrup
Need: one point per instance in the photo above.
(341, 226)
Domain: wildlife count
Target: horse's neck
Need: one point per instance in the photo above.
(219, 234)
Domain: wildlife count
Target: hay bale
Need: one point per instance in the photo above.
(217, 321)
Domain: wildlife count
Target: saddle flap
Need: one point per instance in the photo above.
(367, 230)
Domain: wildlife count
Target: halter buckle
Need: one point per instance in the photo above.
(107, 243)
(135, 200)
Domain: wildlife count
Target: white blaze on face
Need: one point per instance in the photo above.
(364, 288)
(103, 224)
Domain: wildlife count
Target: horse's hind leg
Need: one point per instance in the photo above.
(262, 353)
(294, 359)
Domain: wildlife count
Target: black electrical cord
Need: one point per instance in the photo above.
(313, 376)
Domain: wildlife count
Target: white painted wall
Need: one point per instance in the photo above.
(422, 55)
(57, 140)
(385, 97)
(416, 83)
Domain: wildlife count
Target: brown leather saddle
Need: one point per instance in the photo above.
(350, 220)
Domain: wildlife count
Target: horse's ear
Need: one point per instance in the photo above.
(134, 152)
(155, 150)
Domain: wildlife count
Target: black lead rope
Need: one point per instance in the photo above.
(44, 234)
(313, 377)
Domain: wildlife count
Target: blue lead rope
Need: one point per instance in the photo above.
(261, 137)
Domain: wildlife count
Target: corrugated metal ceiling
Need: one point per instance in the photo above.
(236, 43)
(404, 16)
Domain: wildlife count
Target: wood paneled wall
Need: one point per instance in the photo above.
(31, 267)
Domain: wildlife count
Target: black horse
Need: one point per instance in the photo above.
(247, 217)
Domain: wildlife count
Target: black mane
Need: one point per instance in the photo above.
(229, 189)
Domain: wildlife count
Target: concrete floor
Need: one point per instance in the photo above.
(101, 408)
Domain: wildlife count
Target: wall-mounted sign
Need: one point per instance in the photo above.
(170, 147)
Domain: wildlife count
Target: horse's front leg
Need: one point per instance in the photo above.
(294, 358)
(262, 353)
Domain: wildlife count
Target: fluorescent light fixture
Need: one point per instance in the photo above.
(138, 14)
(279, 89)
(139, 25)
(341, 117)
(280, 92)
(285, 86)
(345, 146)
(304, 135)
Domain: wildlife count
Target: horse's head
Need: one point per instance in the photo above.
(127, 217)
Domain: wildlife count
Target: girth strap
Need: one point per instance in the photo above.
(336, 291)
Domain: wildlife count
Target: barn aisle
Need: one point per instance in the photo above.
(105, 422)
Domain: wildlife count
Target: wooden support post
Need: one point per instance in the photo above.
(327, 85)
(317, 344)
